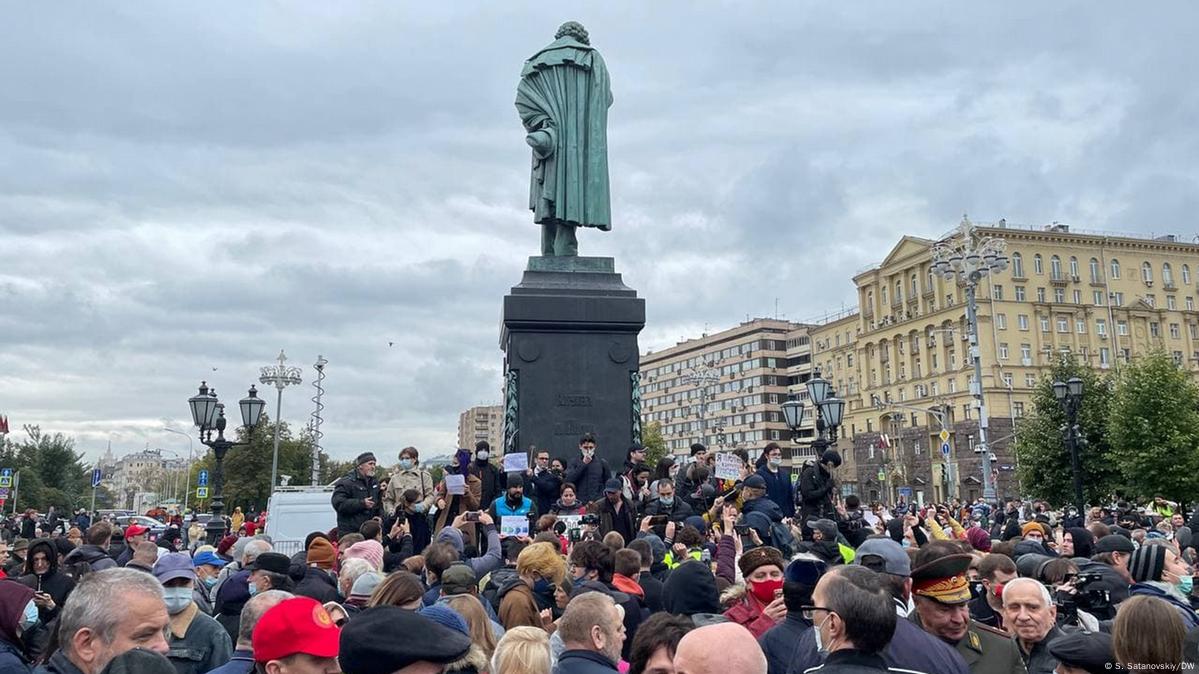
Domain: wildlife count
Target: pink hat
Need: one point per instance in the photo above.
(371, 551)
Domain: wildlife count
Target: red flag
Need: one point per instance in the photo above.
(3, 424)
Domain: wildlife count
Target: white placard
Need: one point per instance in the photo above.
(728, 466)
(455, 484)
(514, 525)
(516, 462)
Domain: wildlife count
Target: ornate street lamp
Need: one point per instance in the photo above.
(966, 257)
(793, 416)
(829, 412)
(281, 376)
(208, 414)
(1069, 395)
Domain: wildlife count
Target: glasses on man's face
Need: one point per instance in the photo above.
(809, 612)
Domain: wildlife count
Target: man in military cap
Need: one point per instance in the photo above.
(941, 595)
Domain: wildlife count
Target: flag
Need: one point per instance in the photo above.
(3, 425)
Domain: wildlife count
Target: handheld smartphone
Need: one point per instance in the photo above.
(472, 516)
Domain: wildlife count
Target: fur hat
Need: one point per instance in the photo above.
(758, 557)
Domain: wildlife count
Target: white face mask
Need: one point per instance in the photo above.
(820, 645)
(588, 453)
(482, 456)
(177, 598)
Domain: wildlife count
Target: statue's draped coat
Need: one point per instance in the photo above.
(564, 91)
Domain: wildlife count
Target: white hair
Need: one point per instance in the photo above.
(253, 549)
(352, 569)
(1044, 591)
(99, 602)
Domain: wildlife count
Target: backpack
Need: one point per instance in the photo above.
(783, 539)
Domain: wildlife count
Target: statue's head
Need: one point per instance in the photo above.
(573, 29)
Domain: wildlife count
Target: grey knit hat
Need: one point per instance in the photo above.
(1147, 562)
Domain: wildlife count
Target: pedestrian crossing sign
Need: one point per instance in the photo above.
(201, 492)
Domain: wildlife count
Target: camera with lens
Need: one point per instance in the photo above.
(1089, 595)
(591, 519)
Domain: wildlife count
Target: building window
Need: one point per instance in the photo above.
(966, 411)
(1074, 266)
(1115, 268)
(1117, 299)
(1101, 327)
(1020, 295)
(1097, 298)
(1037, 265)
(1186, 274)
(1146, 272)
(1055, 267)
(1030, 380)
(1167, 274)
(1080, 326)
(898, 292)
(884, 295)
(1175, 331)
(1126, 355)
(1001, 321)
(1017, 265)
(915, 288)
(1155, 329)
(997, 293)
(1007, 379)
(1044, 324)
(1041, 295)
(1078, 297)
(1026, 352)
(1003, 352)
(953, 385)
(1105, 357)
(1178, 358)
(1171, 302)
(1094, 267)
(1059, 295)
(1063, 324)
(1190, 303)
(1151, 300)
(1122, 328)
(1194, 330)
(1022, 321)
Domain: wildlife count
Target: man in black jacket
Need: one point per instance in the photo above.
(545, 485)
(493, 480)
(356, 496)
(817, 489)
(588, 472)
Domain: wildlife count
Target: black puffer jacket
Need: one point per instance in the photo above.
(349, 500)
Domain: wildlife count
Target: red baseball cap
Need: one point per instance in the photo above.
(299, 625)
(135, 530)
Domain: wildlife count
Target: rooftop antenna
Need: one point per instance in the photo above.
(316, 421)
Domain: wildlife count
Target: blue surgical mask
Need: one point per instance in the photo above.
(29, 618)
(253, 588)
(775, 463)
(177, 598)
(210, 582)
(666, 500)
(1185, 584)
(407, 464)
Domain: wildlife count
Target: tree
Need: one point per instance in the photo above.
(654, 443)
(52, 473)
(1045, 469)
(1153, 428)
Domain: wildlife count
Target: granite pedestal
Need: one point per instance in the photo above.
(571, 359)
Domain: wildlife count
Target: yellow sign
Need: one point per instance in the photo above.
(944, 435)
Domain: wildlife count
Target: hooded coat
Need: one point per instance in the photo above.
(14, 597)
(690, 589)
(518, 605)
(54, 582)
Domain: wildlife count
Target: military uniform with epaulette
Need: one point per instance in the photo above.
(985, 649)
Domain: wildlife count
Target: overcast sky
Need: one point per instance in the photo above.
(187, 188)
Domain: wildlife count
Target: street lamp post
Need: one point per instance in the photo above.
(281, 376)
(965, 258)
(829, 411)
(208, 414)
(1069, 396)
(703, 376)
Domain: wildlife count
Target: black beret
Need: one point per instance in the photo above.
(274, 562)
(755, 481)
(1090, 651)
(379, 641)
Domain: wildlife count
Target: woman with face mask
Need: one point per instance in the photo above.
(448, 505)
(198, 642)
(410, 476)
(18, 615)
(762, 607)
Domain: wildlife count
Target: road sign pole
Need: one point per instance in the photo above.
(16, 490)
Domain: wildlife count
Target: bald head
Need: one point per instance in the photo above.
(717, 649)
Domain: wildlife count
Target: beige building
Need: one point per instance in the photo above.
(1101, 298)
(485, 422)
(725, 390)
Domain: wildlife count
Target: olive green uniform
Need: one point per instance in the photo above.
(987, 650)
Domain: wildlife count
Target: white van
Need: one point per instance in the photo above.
(295, 512)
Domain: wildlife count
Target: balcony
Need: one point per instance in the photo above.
(1098, 281)
(1059, 279)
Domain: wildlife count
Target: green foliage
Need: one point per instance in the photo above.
(52, 473)
(654, 443)
(1045, 470)
(1153, 429)
(248, 467)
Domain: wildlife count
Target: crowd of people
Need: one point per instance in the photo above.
(627, 569)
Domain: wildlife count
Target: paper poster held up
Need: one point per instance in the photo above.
(514, 525)
(516, 462)
(455, 484)
(728, 466)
